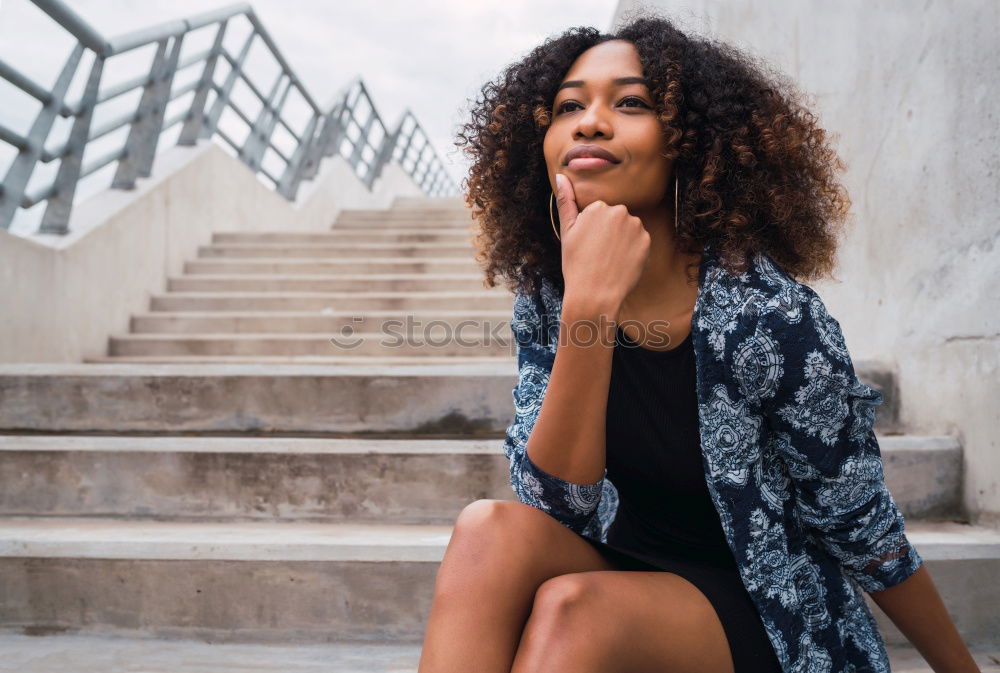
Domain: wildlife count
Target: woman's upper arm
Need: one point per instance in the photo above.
(821, 417)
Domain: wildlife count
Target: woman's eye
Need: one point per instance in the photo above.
(636, 99)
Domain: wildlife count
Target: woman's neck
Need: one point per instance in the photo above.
(665, 288)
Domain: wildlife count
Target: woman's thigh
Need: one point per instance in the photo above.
(622, 622)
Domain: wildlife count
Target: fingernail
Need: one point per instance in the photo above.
(559, 179)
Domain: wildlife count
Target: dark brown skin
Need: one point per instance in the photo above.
(609, 258)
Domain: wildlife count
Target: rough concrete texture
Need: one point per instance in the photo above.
(346, 480)
(356, 480)
(457, 400)
(419, 399)
(911, 93)
(308, 582)
(111, 654)
(69, 291)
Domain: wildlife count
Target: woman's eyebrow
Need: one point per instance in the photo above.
(619, 81)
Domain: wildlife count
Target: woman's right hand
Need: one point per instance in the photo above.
(604, 249)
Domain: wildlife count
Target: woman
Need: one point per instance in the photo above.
(701, 489)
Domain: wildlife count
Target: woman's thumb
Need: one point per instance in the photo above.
(565, 203)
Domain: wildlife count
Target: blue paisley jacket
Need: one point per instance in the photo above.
(791, 460)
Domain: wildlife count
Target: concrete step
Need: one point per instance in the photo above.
(407, 400)
(419, 400)
(85, 653)
(419, 481)
(313, 582)
(453, 235)
(88, 653)
(471, 340)
(342, 250)
(378, 213)
(329, 322)
(225, 265)
(449, 215)
(228, 582)
(408, 203)
(489, 299)
(447, 222)
(416, 224)
(385, 282)
(333, 479)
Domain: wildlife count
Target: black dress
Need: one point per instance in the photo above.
(666, 519)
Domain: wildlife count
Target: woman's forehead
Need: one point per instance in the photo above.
(604, 62)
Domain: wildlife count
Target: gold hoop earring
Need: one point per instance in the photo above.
(552, 198)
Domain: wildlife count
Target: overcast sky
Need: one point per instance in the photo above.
(430, 56)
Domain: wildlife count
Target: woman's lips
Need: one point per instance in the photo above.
(589, 163)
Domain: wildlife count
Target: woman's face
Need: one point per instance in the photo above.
(590, 108)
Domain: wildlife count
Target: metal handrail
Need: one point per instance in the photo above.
(326, 133)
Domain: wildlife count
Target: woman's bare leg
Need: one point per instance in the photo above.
(622, 622)
(500, 552)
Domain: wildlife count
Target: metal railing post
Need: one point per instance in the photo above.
(332, 145)
(318, 149)
(58, 207)
(385, 151)
(409, 142)
(140, 147)
(24, 163)
(196, 113)
(260, 133)
(222, 97)
(290, 179)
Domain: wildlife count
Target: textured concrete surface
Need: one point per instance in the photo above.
(340, 250)
(69, 291)
(329, 301)
(417, 399)
(53, 537)
(110, 654)
(472, 340)
(328, 322)
(309, 582)
(452, 235)
(461, 400)
(62, 537)
(374, 282)
(331, 265)
(330, 479)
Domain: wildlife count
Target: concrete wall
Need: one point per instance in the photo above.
(912, 90)
(63, 295)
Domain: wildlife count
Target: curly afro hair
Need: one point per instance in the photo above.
(755, 170)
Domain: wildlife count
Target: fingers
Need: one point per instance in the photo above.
(565, 203)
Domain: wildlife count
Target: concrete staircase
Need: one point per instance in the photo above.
(230, 473)
(280, 296)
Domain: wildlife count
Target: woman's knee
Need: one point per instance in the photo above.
(480, 544)
(485, 519)
(566, 597)
(561, 627)
(504, 521)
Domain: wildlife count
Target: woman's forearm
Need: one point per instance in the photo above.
(568, 438)
(915, 607)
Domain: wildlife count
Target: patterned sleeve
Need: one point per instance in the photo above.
(822, 420)
(573, 505)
